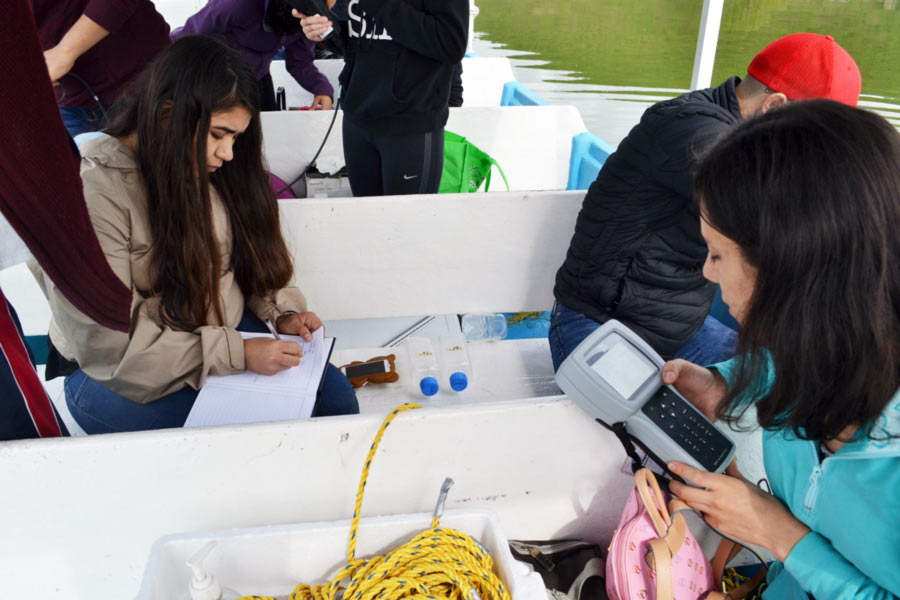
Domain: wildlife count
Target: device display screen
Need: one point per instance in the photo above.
(621, 365)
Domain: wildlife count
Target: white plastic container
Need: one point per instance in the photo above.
(484, 326)
(272, 560)
(424, 373)
(456, 369)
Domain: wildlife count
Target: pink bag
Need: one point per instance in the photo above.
(652, 555)
(281, 189)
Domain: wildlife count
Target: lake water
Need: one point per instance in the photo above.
(613, 58)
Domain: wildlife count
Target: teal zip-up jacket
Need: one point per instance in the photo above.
(850, 501)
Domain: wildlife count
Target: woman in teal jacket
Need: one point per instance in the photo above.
(801, 212)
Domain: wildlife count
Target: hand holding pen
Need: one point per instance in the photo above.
(269, 356)
(271, 327)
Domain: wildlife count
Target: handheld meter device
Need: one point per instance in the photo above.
(616, 377)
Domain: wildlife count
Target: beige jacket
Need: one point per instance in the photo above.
(153, 360)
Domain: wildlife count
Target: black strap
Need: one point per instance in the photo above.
(57, 364)
(629, 442)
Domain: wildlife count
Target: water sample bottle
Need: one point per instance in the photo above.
(423, 367)
(456, 370)
(484, 326)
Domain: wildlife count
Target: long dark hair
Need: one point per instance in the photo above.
(170, 111)
(811, 195)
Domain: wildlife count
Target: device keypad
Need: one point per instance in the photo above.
(687, 427)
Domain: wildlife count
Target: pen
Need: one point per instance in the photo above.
(272, 329)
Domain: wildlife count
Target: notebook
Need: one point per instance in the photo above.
(253, 398)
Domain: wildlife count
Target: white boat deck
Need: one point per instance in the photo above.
(502, 371)
(80, 515)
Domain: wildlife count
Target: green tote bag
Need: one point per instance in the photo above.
(466, 166)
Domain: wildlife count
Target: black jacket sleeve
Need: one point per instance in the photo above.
(456, 86)
(336, 43)
(439, 30)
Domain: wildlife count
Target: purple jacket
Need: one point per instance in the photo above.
(241, 23)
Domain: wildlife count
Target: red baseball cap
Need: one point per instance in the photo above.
(808, 65)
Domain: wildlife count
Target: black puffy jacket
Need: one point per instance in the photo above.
(637, 254)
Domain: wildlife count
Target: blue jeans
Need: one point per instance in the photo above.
(97, 409)
(713, 342)
(83, 120)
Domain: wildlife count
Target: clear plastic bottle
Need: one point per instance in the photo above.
(456, 370)
(484, 326)
(423, 367)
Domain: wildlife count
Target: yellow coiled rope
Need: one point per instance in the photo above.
(437, 563)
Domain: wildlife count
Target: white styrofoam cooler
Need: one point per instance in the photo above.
(272, 560)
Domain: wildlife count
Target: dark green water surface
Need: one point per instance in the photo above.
(651, 43)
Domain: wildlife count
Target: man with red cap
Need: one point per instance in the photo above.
(637, 255)
(41, 198)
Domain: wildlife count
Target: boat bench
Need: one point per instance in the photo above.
(543, 466)
(403, 256)
(541, 148)
(433, 254)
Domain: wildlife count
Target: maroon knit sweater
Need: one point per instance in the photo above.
(40, 189)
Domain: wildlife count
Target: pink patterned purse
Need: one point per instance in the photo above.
(654, 556)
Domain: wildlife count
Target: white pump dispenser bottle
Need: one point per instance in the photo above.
(203, 585)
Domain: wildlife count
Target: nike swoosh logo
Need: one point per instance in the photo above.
(408, 177)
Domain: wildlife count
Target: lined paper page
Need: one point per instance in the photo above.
(223, 405)
(251, 398)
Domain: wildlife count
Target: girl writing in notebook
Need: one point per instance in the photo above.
(181, 204)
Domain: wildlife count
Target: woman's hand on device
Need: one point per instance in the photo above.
(739, 509)
(302, 324)
(267, 356)
(314, 26)
(701, 387)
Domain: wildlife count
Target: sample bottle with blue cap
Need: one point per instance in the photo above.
(423, 366)
(455, 365)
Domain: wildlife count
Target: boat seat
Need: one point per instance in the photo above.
(39, 346)
(533, 144)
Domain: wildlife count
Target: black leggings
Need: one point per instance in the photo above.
(381, 164)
